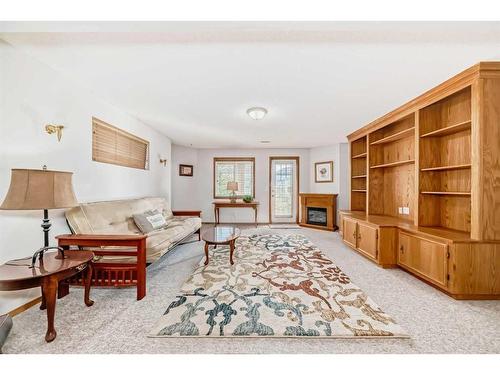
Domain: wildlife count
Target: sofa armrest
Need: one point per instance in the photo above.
(187, 213)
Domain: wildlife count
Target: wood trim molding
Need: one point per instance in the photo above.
(26, 306)
(297, 159)
(226, 158)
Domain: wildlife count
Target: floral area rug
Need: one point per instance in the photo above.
(279, 286)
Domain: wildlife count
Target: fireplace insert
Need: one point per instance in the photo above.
(316, 216)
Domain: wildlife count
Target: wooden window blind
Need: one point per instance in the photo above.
(241, 170)
(115, 146)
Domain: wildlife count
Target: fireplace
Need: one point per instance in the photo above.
(317, 216)
(318, 211)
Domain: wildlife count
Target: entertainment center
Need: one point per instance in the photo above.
(425, 186)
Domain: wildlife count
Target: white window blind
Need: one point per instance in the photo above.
(115, 146)
(241, 170)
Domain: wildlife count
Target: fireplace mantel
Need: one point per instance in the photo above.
(322, 201)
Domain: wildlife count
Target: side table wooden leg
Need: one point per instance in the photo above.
(49, 285)
(206, 253)
(231, 252)
(88, 281)
(255, 213)
(43, 305)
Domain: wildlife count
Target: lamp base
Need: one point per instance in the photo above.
(5, 327)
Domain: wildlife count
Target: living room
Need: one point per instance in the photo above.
(263, 187)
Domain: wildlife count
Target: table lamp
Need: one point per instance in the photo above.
(232, 186)
(35, 189)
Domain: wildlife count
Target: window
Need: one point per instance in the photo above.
(241, 170)
(115, 146)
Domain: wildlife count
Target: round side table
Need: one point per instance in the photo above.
(47, 273)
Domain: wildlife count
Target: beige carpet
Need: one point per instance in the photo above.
(278, 286)
(117, 323)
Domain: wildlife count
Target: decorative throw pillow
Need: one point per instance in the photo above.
(149, 221)
(167, 213)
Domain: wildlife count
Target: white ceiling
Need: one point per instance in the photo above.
(193, 81)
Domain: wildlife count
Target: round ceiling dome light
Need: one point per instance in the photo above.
(257, 113)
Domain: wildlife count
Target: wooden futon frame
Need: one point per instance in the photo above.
(115, 274)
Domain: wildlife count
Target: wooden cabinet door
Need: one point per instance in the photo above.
(426, 258)
(368, 240)
(349, 233)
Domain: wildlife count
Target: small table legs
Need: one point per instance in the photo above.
(49, 290)
(231, 250)
(50, 286)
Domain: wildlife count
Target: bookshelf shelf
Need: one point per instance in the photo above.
(363, 155)
(393, 164)
(448, 129)
(446, 167)
(459, 193)
(394, 137)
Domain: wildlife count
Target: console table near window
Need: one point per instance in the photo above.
(238, 204)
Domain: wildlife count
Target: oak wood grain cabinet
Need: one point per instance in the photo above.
(368, 240)
(425, 177)
(428, 259)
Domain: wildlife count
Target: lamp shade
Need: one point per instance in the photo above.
(35, 189)
(232, 186)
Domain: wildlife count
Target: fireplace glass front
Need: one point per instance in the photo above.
(316, 216)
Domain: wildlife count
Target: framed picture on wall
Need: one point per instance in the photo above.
(323, 171)
(185, 170)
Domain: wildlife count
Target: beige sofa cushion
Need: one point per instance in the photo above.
(115, 217)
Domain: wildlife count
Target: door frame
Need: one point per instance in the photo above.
(297, 174)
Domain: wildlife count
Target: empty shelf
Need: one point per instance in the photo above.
(360, 176)
(447, 167)
(449, 129)
(462, 193)
(363, 155)
(358, 191)
(393, 164)
(394, 137)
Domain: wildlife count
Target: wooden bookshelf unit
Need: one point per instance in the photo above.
(425, 186)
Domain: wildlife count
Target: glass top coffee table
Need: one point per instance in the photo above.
(220, 235)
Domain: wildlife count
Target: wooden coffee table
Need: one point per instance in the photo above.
(17, 275)
(220, 235)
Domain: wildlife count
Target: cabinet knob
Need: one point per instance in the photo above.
(354, 234)
(402, 249)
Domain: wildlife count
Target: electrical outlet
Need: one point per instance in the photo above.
(406, 210)
(400, 210)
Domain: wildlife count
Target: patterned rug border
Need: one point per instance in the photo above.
(397, 337)
(400, 335)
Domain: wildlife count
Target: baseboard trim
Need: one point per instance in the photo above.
(26, 306)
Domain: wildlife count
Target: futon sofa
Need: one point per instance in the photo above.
(119, 266)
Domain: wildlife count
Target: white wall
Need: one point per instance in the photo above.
(197, 192)
(186, 192)
(185, 188)
(321, 154)
(32, 95)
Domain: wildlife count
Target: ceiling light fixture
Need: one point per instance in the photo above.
(265, 141)
(257, 113)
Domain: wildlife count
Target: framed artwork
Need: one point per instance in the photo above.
(185, 170)
(323, 171)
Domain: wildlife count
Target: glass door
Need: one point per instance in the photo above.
(283, 190)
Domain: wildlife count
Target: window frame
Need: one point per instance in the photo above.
(232, 159)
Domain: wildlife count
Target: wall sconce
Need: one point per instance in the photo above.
(57, 129)
(163, 161)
